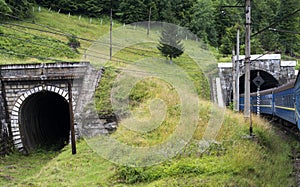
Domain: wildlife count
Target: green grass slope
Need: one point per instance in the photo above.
(45, 37)
(230, 160)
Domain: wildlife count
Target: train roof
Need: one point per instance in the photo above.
(263, 92)
(276, 89)
(285, 86)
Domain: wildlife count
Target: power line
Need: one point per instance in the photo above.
(115, 68)
(26, 55)
(44, 45)
(19, 19)
(283, 31)
(38, 36)
(85, 39)
(28, 41)
(58, 32)
(275, 23)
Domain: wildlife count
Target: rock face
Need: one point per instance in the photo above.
(88, 122)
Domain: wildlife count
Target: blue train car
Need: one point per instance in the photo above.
(284, 102)
(266, 102)
(297, 100)
(253, 102)
(241, 103)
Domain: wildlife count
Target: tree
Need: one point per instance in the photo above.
(263, 14)
(4, 8)
(289, 41)
(202, 22)
(228, 41)
(133, 11)
(20, 8)
(170, 43)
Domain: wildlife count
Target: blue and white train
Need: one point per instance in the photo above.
(282, 102)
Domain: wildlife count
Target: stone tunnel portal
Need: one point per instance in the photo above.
(44, 121)
(269, 81)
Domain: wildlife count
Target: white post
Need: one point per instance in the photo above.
(233, 79)
(258, 101)
(237, 71)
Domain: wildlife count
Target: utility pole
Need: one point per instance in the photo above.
(247, 114)
(110, 31)
(237, 71)
(149, 22)
(234, 79)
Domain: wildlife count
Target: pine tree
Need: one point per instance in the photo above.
(170, 43)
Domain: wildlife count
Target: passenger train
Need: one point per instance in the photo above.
(282, 102)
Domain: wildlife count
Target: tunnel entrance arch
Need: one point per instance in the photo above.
(40, 118)
(269, 81)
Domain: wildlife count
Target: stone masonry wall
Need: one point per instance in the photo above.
(21, 81)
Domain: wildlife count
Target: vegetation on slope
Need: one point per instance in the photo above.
(46, 37)
(231, 160)
(211, 20)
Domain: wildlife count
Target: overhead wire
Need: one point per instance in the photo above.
(276, 22)
(57, 32)
(118, 59)
(28, 41)
(104, 56)
(111, 67)
(85, 49)
(28, 33)
(31, 56)
(61, 33)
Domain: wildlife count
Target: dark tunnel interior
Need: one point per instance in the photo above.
(269, 81)
(44, 121)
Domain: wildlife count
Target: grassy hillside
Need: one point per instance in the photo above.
(140, 75)
(230, 161)
(46, 36)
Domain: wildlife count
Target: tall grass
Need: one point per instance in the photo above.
(231, 159)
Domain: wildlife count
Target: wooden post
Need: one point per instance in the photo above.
(73, 142)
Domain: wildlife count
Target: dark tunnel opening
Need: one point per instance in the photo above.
(44, 121)
(269, 81)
